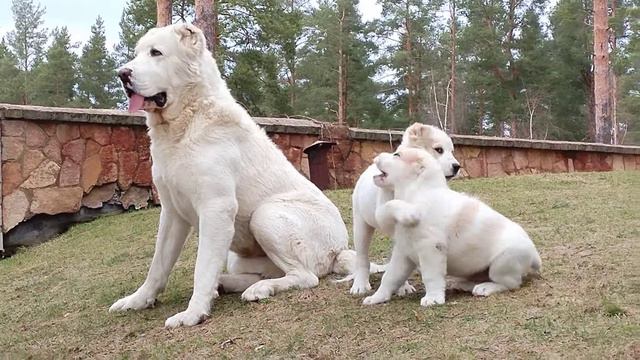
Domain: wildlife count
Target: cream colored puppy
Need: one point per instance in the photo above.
(443, 232)
(366, 196)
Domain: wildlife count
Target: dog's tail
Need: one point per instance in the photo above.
(535, 267)
(345, 264)
(536, 264)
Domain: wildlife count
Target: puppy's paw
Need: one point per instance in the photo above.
(189, 317)
(374, 299)
(432, 299)
(487, 289)
(408, 217)
(405, 289)
(360, 287)
(135, 301)
(258, 291)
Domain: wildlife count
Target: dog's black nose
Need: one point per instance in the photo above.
(455, 167)
(125, 75)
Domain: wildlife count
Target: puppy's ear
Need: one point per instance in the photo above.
(419, 165)
(191, 36)
(415, 133)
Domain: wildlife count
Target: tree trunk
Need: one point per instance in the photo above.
(25, 84)
(531, 124)
(292, 69)
(410, 77)
(452, 101)
(342, 75)
(207, 21)
(601, 71)
(163, 12)
(614, 107)
(587, 79)
(613, 78)
(481, 113)
(292, 89)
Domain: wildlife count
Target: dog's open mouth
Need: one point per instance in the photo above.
(380, 177)
(139, 102)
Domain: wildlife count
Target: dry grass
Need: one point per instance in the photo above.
(54, 298)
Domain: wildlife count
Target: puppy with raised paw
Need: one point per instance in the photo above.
(443, 232)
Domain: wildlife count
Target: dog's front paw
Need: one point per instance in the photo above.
(432, 299)
(258, 291)
(360, 287)
(405, 289)
(408, 217)
(374, 299)
(134, 301)
(188, 317)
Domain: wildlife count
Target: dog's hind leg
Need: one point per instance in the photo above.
(300, 237)
(246, 271)
(460, 284)
(506, 272)
(233, 283)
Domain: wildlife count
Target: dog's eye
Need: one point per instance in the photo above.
(155, 52)
(396, 154)
(439, 150)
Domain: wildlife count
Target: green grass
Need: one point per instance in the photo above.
(54, 297)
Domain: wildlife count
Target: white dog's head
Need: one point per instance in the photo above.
(168, 60)
(436, 142)
(408, 166)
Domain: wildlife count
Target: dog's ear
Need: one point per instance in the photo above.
(191, 36)
(415, 133)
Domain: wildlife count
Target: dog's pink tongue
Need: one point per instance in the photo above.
(135, 102)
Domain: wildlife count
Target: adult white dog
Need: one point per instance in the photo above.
(366, 196)
(445, 232)
(217, 172)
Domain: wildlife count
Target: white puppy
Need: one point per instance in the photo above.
(445, 232)
(366, 196)
(217, 172)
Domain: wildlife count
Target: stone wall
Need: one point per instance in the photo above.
(58, 161)
(57, 167)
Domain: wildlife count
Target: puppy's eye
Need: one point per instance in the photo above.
(396, 154)
(155, 52)
(439, 150)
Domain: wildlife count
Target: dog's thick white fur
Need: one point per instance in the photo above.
(366, 196)
(217, 172)
(442, 232)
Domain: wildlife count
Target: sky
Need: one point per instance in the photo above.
(79, 15)
(76, 15)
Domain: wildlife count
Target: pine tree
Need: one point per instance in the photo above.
(571, 81)
(255, 70)
(97, 84)
(10, 75)
(408, 27)
(55, 78)
(534, 69)
(27, 41)
(336, 70)
(490, 43)
(137, 18)
(282, 33)
(628, 67)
